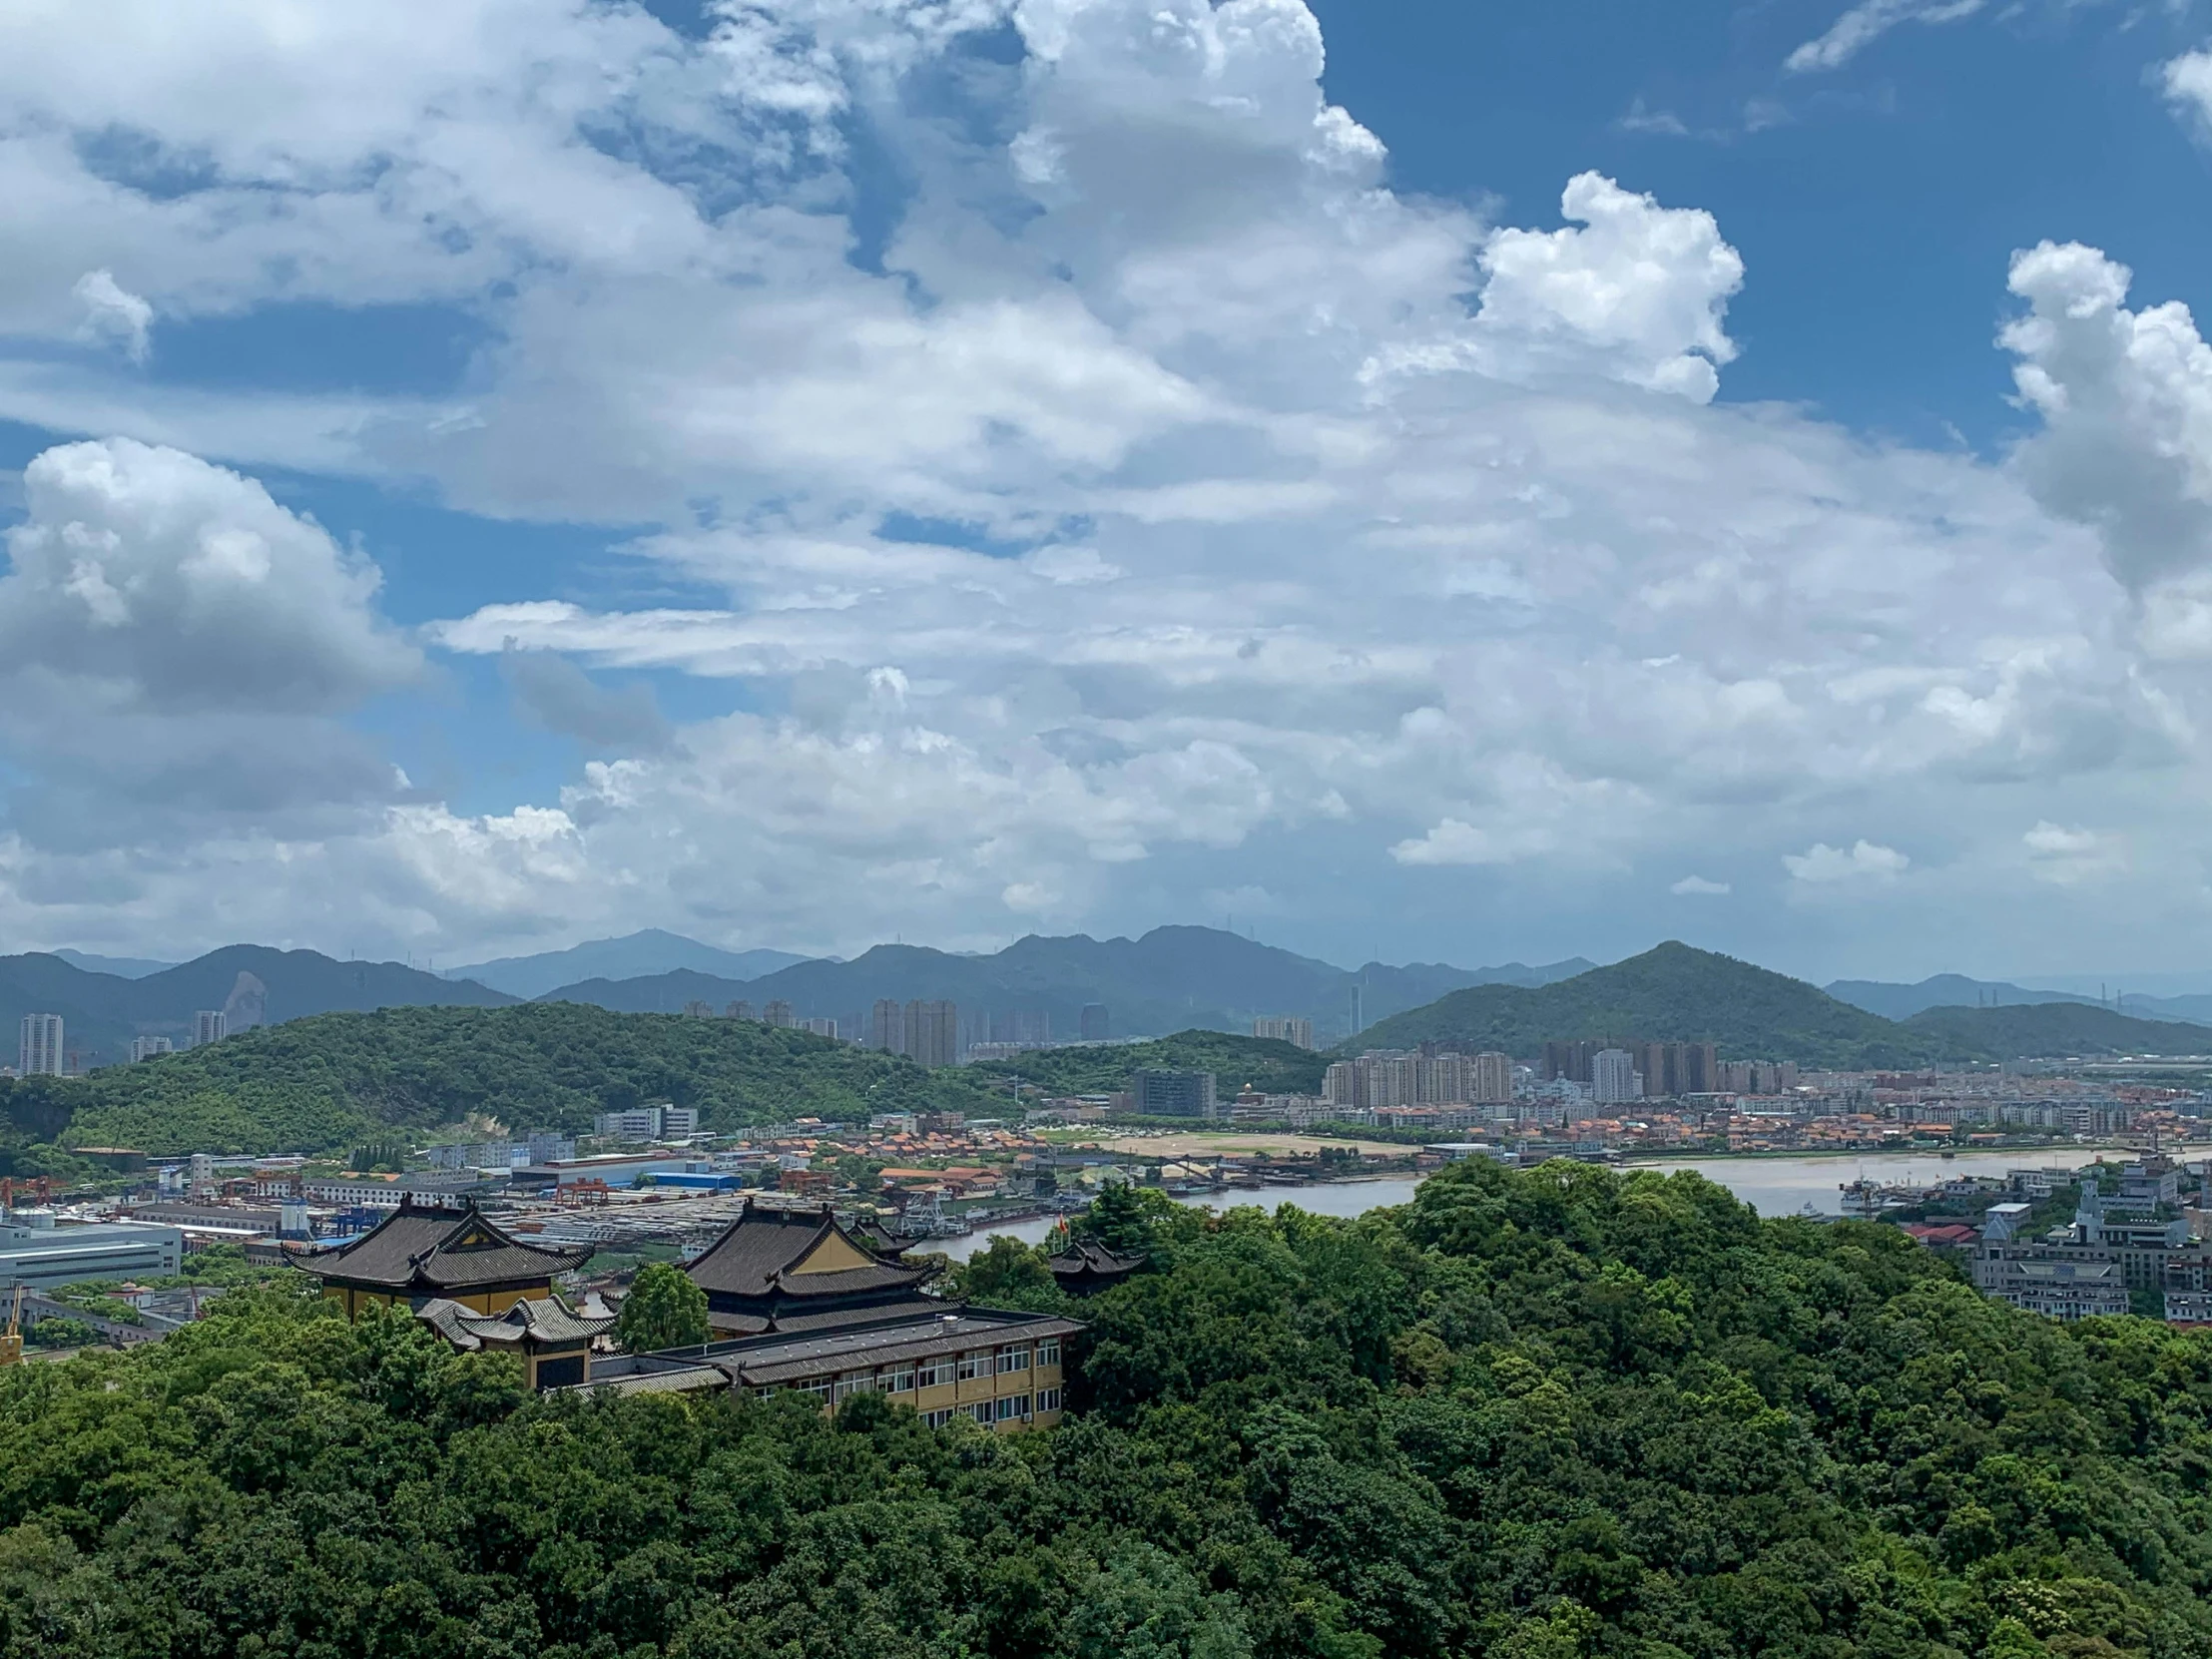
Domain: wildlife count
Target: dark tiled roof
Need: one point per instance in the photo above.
(1088, 1258)
(417, 1247)
(784, 1358)
(754, 1253)
(547, 1318)
(784, 1322)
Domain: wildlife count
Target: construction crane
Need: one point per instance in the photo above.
(11, 1340)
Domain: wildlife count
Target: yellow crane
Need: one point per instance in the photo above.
(11, 1341)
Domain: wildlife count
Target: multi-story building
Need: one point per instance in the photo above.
(888, 1027)
(1387, 1079)
(210, 1025)
(645, 1123)
(932, 1033)
(1156, 1091)
(777, 1013)
(821, 1027)
(699, 1010)
(737, 1010)
(1759, 1076)
(145, 1048)
(1613, 1077)
(1094, 1025)
(809, 1307)
(2142, 1246)
(2062, 1289)
(38, 1251)
(39, 1053)
(1285, 1029)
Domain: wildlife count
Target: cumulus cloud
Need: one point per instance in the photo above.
(157, 583)
(1864, 861)
(1868, 22)
(1111, 509)
(1630, 289)
(2125, 448)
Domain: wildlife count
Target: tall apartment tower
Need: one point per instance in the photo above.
(777, 1013)
(1285, 1029)
(934, 1032)
(1095, 1026)
(209, 1025)
(888, 1027)
(145, 1048)
(41, 1052)
(1613, 1076)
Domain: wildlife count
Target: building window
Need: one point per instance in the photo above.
(902, 1382)
(934, 1374)
(972, 1366)
(1013, 1406)
(937, 1419)
(1013, 1358)
(820, 1386)
(981, 1410)
(1048, 1352)
(1048, 1399)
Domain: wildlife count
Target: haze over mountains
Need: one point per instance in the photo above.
(1171, 980)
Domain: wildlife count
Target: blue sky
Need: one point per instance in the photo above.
(488, 475)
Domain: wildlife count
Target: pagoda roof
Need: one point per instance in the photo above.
(432, 1250)
(1088, 1259)
(770, 1253)
(535, 1319)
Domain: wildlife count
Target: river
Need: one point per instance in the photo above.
(1772, 1185)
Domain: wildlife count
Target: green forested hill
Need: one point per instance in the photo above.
(1669, 995)
(2044, 1029)
(1272, 1067)
(1559, 1413)
(326, 1082)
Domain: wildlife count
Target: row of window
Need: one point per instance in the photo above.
(935, 1374)
(1011, 1409)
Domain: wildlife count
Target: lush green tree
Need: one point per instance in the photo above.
(1119, 1219)
(663, 1308)
(1006, 1272)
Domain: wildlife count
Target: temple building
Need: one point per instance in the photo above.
(801, 1304)
(1086, 1266)
(781, 1270)
(551, 1339)
(422, 1253)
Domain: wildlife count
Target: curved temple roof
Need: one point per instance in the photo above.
(429, 1249)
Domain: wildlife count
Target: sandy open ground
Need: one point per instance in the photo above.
(1199, 1144)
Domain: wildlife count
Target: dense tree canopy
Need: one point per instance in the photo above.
(664, 1308)
(1550, 1414)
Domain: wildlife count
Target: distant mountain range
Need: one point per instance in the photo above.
(634, 957)
(1956, 991)
(1674, 993)
(253, 984)
(1171, 980)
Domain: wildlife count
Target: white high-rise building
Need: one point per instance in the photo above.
(41, 1053)
(209, 1025)
(145, 1048)
(1613, 1076)
(1285, 1029)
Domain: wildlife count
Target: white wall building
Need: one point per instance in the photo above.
(39, 1053)
(210, 1025)
(1285, 1029)
(1613, 1077)
(145, 1048)
(38, 1251)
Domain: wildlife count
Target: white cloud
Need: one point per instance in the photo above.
(1637, 292)
(2067, 856)
(157, 583)
(113, 314)
(1285, 549)
(2126, 441)
(1866, 23)
(1864, 861)
(2188, 86)
(1698, 885)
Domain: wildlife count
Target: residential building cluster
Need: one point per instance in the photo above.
(1426, 1077)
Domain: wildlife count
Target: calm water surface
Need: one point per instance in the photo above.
(1773, 1186)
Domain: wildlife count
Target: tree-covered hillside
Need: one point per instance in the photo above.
(324, 1083)
(2046, 1029)
(1668, 994)
(1550, 1414)
(1270, 1066)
